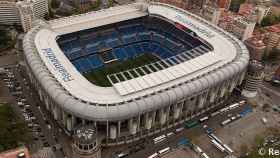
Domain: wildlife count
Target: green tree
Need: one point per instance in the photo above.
(55, 4)
(273, 54)
(96, 5)
(13, 131)
(111, 3)
(4, 38)
(270, 20)
(235, 4)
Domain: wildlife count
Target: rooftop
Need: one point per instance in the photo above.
(246, 9)
(277, 72)
(85, 134)
(274, 28)
(256, 42)
(15, 153)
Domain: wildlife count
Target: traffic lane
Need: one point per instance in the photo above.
(270, 88)
(272, 96)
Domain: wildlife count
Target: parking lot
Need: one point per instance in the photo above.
(16, 90)
(245, 123)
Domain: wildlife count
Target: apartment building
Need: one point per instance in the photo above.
(22, 12)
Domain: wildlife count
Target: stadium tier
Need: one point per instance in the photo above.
(163, 66)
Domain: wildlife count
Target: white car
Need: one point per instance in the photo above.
(170, 134)
(20, 103)
(205, 126)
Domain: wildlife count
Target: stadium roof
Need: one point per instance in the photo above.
(229, 56)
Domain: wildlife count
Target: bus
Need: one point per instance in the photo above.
(204, 119)
(177, 130)
(153, 155)
(164, 151)
(215, 138)
(198, 149)
(228, 149)
(233, 106)
(122, 155)
(242, 102)
(215, 113)
(204, 155)
(191, 124)
(224, 110)
(217, 145)
(227, 121)
(159, 139)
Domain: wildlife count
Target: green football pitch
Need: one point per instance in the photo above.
(99, 77)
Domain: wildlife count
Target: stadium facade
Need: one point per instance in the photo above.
(187, 84)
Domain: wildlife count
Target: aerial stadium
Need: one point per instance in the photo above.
(132, 70)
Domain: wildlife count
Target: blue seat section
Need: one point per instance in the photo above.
(102, 46)
(159, 38)
(95, 61)
(91, 48)
(84, 63)
(154, 47)
(78, 66)
(130, 52)
(138, 49)
(146, 47)
(113, 43)
(120, 54)
(124, 41)
(74, 55)
(129, 38)
(140, 28)
(163, 53)
(128, 29)
(70, 46)
(144, 36)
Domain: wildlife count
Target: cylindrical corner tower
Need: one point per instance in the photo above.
(254, 79)
(85, 142)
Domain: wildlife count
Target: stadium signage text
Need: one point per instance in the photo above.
(57, 65)
(201, 30)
